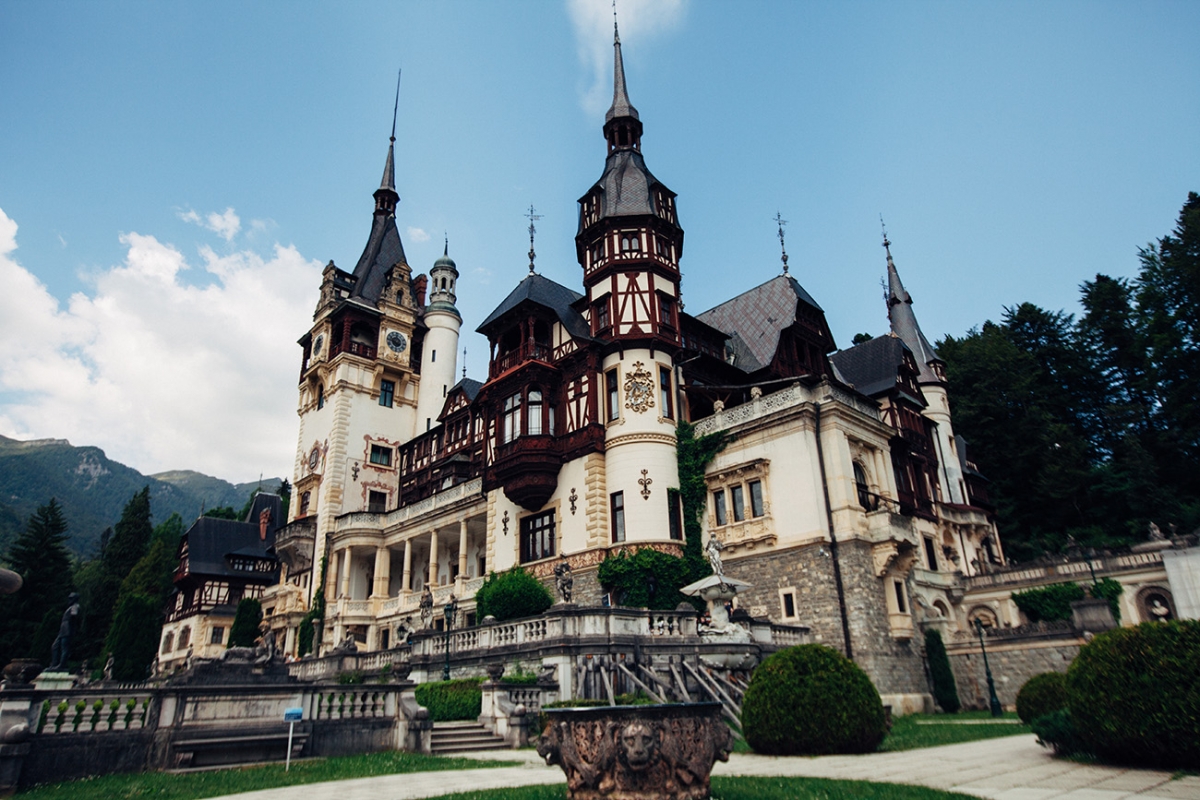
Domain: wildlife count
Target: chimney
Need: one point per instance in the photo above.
(420, 283)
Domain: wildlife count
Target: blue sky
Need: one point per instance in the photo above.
(173, 174)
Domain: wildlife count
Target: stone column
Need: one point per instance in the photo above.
(462, 551)
(383, 572)
(406, 578)
(433, 558)
(289, 640)
(344, 580)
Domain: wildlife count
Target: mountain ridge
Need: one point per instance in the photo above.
(93, 489)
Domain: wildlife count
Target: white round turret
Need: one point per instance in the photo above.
(439, 356)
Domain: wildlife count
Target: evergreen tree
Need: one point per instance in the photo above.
(945, 691)
(40, 556)
(129, 543)
(244, 630)
(133, 638)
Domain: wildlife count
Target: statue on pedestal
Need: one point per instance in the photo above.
(426, 606)
(563, 580)
(61, 649)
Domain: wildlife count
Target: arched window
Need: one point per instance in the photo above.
(305, 499)
(630, 243)
(185, 638)
(168, 642)
(864, 491)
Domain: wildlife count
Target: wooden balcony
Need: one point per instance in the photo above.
(528, 351)
(353, 348)
(527, 468)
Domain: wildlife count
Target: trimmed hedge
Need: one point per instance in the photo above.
(452, 700)
(1134, 694)
(812, 700)
(1050, 602)
(511, 595)
(1042, 694)
(945, 691)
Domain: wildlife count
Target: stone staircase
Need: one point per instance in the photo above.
(462, 737)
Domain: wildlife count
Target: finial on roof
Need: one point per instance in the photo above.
(446, 244)
(781, 222)
(887, 245)
(464, 363)
(396, 107)
(532, 230)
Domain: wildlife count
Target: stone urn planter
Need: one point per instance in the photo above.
(660, 752)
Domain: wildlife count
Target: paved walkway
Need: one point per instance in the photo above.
(1009, 768)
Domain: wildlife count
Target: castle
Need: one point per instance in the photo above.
(844, 496)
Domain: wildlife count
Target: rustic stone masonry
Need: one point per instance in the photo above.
(1014, 659)
(895, 666)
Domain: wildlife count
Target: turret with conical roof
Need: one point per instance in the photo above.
(904, 324)
(439, 353)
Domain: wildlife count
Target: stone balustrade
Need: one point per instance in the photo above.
(91, 710)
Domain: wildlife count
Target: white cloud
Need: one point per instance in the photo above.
(640, 20)
(417, 234)
(158, 373)
(226, 225)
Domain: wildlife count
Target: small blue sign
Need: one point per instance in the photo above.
(293, 714)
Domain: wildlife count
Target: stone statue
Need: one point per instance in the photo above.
(1156, 534)
(712, 551)
(108, 666)
(267, 650)
(563, 580)
(347, 645)
(61, 648)
(404, 631)
(426, 606)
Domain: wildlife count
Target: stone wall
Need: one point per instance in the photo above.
(895, 666)
(1013, 662)
(68, 757)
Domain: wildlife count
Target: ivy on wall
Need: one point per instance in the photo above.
(650, 579)
(1054, 602)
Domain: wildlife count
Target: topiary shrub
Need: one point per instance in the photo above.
(945, 692)
(811, 700)
(1041, 695)
(451, 700)
(511, 594)
(1134, 694)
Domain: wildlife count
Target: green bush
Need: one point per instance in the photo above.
(1110, 590)
(1050, 602)
(945, 692)
(1134, 694)
(1055, 730)
(510, 595)
(812, 700)
(647, 579)
(1042, 694)
(451, 700)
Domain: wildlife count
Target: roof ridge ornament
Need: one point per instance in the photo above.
(388, 183)
(533, 217)
(782, 247)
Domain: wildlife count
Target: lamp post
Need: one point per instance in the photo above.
(451, 610)
(993, 701)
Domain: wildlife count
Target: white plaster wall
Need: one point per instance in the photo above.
(437, 376)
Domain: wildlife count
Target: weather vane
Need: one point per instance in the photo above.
(886, 244)
(783, 248)
(464, 363)
(532, 230)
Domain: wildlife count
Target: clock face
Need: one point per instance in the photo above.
(314, 457)
(396, 341)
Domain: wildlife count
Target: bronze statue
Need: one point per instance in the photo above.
(563, 580)
(61, 648)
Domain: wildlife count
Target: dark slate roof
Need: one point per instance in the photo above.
(546, 293)
(743, 356)
(964, 460)
(211, 541)
(621, 107)
(904, 324)
(873, 366)
(761, 314)
(468, 385)
(627, 186)
(382, 252)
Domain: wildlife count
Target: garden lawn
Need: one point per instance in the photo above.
(752, 789)
(213, 783)
(932, 730)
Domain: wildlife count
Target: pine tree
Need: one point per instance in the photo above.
(244, 630)
(130, 542)
(40, 556)
(133, 638)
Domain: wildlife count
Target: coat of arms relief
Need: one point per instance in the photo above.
(639, 389)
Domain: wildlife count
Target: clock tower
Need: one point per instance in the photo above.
(358, 390)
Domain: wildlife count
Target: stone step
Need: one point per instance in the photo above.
(465, 736)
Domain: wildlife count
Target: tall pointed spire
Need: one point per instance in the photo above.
(904, 321)
(621, 107)
(385, 196)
